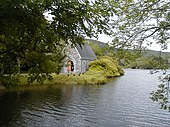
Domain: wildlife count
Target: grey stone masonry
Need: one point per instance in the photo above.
(79, 56)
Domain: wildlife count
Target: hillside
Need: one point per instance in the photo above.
(145, 53)
(148, 53)
(101, 44)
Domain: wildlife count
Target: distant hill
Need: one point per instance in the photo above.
(156, 53)
(145, 53)
(101, 44)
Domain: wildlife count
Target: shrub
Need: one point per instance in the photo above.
(105, 66)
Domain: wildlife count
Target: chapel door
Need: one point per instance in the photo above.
(70, 66)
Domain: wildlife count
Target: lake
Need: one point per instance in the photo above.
(124, 102)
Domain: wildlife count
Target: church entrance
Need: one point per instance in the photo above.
(70, 66)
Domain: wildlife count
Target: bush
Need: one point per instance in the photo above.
(105, 66)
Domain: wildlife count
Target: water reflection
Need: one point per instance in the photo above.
(123, 102)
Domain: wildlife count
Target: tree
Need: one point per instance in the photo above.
(161, 95)
(28, 38)
(138, 22)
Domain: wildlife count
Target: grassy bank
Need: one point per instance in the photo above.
(100, 71)
(70, 79)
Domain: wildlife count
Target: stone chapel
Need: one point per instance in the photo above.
(78, 58)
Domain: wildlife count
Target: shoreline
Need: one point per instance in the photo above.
(100, 71)
(55, 83)
(62, 79)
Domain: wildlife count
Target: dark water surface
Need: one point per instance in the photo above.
(122, 103)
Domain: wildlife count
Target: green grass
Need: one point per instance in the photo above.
(70, 79)
(100, 72)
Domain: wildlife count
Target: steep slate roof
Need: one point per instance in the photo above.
(85, 51)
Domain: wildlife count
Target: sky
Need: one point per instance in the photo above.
(105, 38)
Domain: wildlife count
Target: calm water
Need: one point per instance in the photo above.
(122, 103)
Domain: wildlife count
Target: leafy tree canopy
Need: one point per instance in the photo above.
(28, 38)
(139, 21)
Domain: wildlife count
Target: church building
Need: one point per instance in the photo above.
(78, 58)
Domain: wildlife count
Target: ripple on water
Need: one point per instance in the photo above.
(122, 103)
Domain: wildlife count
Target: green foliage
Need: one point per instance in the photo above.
(123, 56)
(28, 38)
(161, 95)
(99, 51)
(99, 72)
(75, 79)
(152, 62)
(83, 79)
(9, 81)
(105, 66)
(136, 21)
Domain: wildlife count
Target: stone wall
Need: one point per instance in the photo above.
(75, 58)
(84, 64)
(80, 65)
